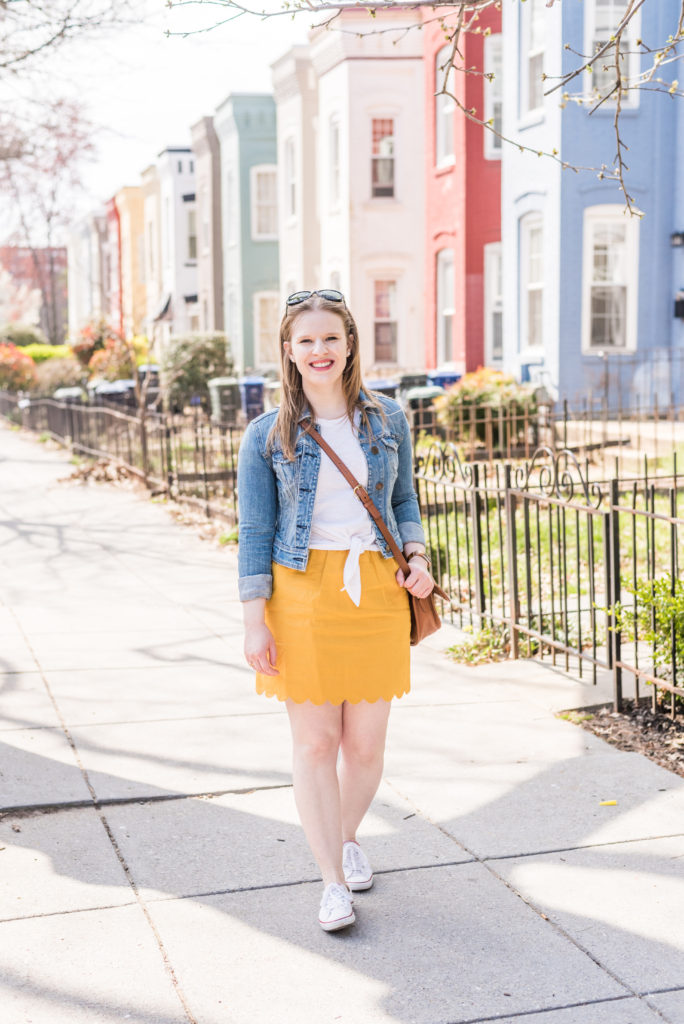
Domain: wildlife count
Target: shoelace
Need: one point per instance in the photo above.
(353, 859)
(336, 901)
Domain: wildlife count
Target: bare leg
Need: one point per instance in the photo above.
(316, 733)
(364, 728)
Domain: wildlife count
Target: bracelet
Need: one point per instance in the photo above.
(421, 554)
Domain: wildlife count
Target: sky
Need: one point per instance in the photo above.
(144, 90)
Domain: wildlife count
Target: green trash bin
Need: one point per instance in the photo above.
(224, 395)
(420, 402)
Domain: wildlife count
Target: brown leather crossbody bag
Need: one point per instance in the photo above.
(425, 619)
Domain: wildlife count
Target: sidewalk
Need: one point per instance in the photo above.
(151, 865)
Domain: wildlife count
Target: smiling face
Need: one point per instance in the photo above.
(318, 347)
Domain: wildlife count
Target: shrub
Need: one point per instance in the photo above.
(658, 619)
(59, 373)
(91, 339)
(114, 361)
(22, 334)
(190, 361)
(488, 400)
(17, 370)
(39, 353)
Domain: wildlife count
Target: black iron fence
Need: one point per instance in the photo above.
(186, 457)
(578, 570)
(572, 566)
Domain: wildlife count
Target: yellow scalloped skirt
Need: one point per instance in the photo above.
(328, 650)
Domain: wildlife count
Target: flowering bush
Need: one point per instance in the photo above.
(489, 404)
(91, 339)
(113, 362)
(17, 370)
(59, 373)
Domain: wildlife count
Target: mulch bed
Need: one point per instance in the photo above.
(639, 728)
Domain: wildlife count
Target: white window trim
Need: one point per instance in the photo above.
(631, 99)
(527, 223)
(253, 171)
(493, 92)
(335, 195)
(448, 159)
(259, 359)
(528, 112)
(610, 212)
(290, 176)
(493, 254)
(444, 347)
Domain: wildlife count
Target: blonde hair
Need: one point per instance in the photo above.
(293, 399)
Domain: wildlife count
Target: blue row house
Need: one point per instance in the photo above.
(589, 291)
(245, 125)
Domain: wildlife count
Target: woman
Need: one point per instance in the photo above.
(325, 608)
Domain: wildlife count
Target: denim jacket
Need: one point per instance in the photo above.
(276, 496)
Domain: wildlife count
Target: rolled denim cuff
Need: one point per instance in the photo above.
(411, 532)
(251, 587)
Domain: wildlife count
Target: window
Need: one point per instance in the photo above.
(534, 32)
(231, 208)
(493, 96)
(610, 272)
(602, 18)
(192, 166)
(266, 328)
(290, 179)
(150, 247)
(180, 166)
(205, 218)
(445, 305)
(382, 160)
(192, 234)
(493, 287)
(444, 110)
(385, 322)
(334, 137)
(532, 280)
(264, 206)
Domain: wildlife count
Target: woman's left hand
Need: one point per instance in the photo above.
(419, 581)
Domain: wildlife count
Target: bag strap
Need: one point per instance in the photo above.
(365, 499)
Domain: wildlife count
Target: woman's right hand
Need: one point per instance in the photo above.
(260, 649)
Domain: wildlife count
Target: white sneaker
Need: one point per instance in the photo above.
(336, 908)
(358, 874)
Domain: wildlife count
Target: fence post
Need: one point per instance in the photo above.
(475, 508)
(512, 550)
(614, 593)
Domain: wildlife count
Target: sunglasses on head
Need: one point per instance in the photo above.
(331, 294)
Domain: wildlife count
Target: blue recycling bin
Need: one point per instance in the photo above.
(444, 378)
(385, 387)
(252, 396)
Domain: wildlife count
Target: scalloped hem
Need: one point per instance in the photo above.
(335, 703)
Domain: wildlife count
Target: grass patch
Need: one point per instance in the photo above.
(491, 643)
(229, 538)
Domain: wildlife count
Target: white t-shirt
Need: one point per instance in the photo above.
(339, 520)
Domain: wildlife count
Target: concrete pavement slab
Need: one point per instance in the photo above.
(254, 839)
(24, 702)
(670, 1003)
(198, 756)
(92, 967)
(624, 903)
(620, 1011)
(533, 793)
(62, 861)
(194, 690)
(37, 767)
(428, 947)
(56, 651)
(88, 617)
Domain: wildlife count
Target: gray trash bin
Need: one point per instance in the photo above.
(224, 396)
